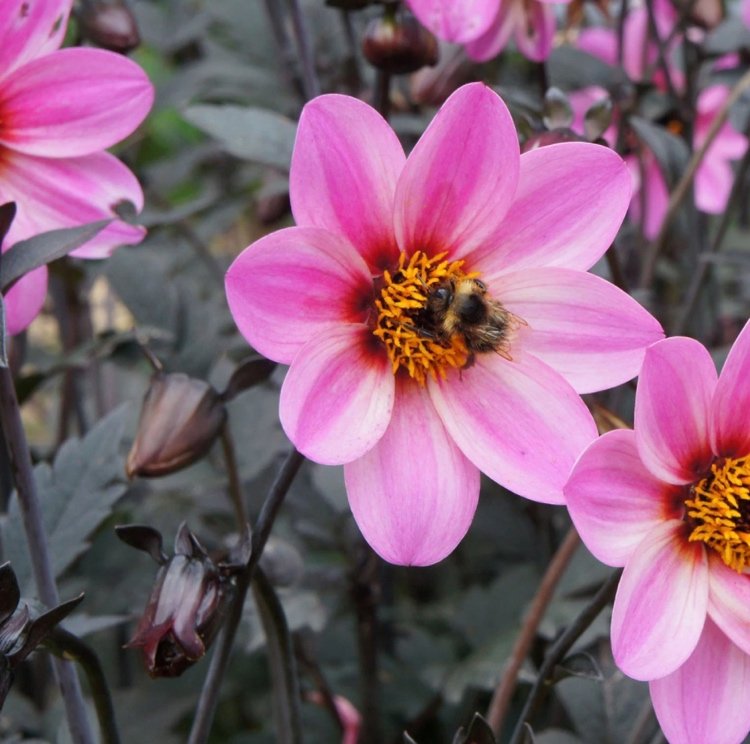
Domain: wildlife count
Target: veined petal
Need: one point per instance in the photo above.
(53, 193)
(613, 500)
(570, 203)
(730, 428)
(582, 326)
(75, 103)
(661, 603)
(337, 398)
(284, 288)
(494, 39)
(24, 300)
(705, 700)
(414, 493)
(729, 601)
(672, 409)
(459, 180)
(519, 422)
(534, 37)
(345, 166)
(457, 21)
(29, 30)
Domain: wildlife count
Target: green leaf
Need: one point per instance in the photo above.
(77, 494)
(249, 133)
(671, 151)
(30, 254)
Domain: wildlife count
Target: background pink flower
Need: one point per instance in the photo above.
(670, 501)
(412, 419)
(59, 109)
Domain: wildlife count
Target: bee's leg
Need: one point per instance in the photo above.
(470, 360)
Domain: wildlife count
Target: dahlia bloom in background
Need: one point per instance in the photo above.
(59, 109)
(386, 253)
(670, 501)
(486, 26)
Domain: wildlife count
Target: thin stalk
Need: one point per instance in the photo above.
(69, 646)
(621, 32)
(235, 485)
(209, 696)
(353, 73)
(304, 49)
(286, 51)
(31, 512)
(560, 648)
(382, 102)
(683, 187)
(504, 691)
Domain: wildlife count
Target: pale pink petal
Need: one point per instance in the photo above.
(343, 177)
(337, 398)
(729, 144)
(519, 422)
(654, 197)
(672, 409)
(713, 184)
(52, 193)
(460, 178)
(729, 600)
(495, 38)
(599, 42)
(534, 37)
(414, 493)
(30, 29)
(705, 700)
(286, 287)
(24, 300)
(661, 603)
(72, 103)
(582, 326)
(570, 203)
(638, 51)
(457, 21)
(730, 427)
(613, 500)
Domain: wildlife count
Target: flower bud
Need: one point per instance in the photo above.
(109, 24)
(399, 44)
(542, 139)
(180, 419)
(186, 606)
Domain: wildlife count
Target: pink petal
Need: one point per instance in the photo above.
(458, 21)
(24, 300)
(534, 37)
(729, 601)
(613, 500)
(414, 493)
(54, 193)
(655, 195)
(599, 42)
(570, 203)
(661, 603)
(494, 39)
(585, 328)
(343, 177)
(713, 184)
(287, 287)
(460, 178)
(638, 50)
(705, 700)
(337, 398)
(73, 102)
(730, 428)
(672, 409)
(519, 422)
(29, 30)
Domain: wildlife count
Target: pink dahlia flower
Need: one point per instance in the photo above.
(363, 296)
(59, 109)
(670, 501)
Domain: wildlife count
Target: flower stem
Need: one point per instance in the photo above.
(235, 486)
(304, 48)
(504, 691)
(33, 522)
(382, 102)
(561, 647)
(209, 696)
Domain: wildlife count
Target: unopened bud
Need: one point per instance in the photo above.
(180, 420)
(551, 138)
(109, 24)
(399, 44)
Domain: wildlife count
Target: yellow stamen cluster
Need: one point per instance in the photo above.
(402, 299)
(719, 510)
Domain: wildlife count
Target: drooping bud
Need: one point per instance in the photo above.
(187, 604)
(109, 24)
(180, 420)
(397, 43)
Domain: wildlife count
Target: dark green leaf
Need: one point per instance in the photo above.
(3, 335)
(479, 731)
(30, 254)
(571, 68)
(578, 665)
(10, 594)
(249, 373)
(727, 37)
(143, 537)
(671, 151)
(7, 215)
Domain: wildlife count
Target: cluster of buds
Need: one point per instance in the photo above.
(19, 634)
(188, 602)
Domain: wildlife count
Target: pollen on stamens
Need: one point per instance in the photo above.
(402, 298)
(718, 510)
